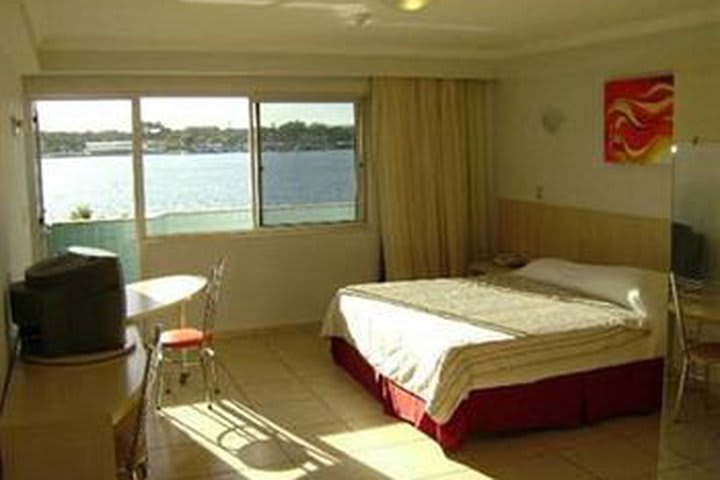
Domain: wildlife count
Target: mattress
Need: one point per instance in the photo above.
(441, 339)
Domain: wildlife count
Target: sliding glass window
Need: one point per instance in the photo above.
(308, 163)
(209, 165)
(196, 165)
(86, 178)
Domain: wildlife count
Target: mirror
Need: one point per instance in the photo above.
(690, 438)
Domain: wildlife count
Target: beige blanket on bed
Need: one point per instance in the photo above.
(438, 338)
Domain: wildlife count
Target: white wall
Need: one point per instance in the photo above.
(17, 55)
(15, 245)
(14, 208)
(568, 165)
(17, 41)
(272, 279)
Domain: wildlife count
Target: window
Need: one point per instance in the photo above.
(86, 179)
(209, 168)
(205, 164)
(196, 165)
(85, 147)
(307, 163)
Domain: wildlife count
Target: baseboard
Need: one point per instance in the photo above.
(277, 329)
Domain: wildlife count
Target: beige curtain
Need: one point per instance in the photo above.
(428, 145)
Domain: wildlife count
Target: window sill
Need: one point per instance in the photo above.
(264, 232)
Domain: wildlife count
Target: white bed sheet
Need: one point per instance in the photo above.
(442, 360)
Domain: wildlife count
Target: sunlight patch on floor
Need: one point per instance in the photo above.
(243, 439)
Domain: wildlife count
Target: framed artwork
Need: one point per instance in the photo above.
(639, 120)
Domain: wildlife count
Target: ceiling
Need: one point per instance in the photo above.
(446, 28)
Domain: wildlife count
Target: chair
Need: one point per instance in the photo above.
(132, 456)
(694, 354)
(199, 341)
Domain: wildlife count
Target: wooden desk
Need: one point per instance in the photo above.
(58, 421)
(704, 306)
(149, 296)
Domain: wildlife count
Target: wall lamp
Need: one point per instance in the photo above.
(16, 125)
(408, 5)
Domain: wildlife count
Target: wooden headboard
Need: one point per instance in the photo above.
(542, 230)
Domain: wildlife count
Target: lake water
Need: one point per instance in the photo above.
(194, 182)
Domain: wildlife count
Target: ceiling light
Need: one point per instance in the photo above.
(408, 5)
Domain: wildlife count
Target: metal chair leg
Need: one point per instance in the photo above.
(206, 379)
(681, 389)
(159, 380)
(213, 372)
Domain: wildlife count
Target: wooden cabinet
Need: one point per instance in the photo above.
(60, 421)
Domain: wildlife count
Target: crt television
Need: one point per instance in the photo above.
(688, 252)
(70, 304)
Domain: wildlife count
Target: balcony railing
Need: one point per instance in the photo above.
(120, 236)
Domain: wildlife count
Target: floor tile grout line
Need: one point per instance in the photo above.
(290, 460)
(300, 377)
(313, 394)
(580, 466)
(284, 354)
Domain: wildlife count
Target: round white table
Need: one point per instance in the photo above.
(149, 296)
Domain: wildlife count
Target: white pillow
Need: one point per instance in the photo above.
(643, 291)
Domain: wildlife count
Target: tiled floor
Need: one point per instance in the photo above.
(695, 437)
(289, 413)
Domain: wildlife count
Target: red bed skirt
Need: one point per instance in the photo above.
(563, 401)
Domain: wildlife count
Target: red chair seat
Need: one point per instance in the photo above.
(182, 338)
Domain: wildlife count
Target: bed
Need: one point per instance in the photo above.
(554, 344)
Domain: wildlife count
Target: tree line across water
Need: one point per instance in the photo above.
(157, 138)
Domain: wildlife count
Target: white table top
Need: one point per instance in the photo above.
(148, 296)
(702, 305)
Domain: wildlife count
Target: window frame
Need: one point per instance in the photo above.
(360, 221)
(197, 95)
(359, 162)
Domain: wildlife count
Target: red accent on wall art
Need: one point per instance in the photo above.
(639, 120)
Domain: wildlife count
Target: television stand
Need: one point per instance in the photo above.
(84, 359)
(67, 416)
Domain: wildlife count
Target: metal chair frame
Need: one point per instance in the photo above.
(688, 349)
(205, 350)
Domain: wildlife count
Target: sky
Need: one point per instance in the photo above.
(178, 113)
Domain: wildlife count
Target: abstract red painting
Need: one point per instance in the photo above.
(639, 120)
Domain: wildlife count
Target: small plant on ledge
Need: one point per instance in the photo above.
(81, 212)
